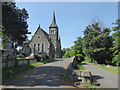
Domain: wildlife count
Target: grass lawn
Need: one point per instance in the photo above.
(21, 58)
(113, 69)
(47, 61)
(88, 85)
(12, 71)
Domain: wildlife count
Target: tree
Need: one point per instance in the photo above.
(116, 43)
(96, 44)
(67, 52)
(14, 23)
(63, 52)
(77, 48)
(90, 33)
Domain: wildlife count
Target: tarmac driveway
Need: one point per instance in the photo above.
(45, 76)
(106, 78)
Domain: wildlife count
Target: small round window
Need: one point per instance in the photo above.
(38, 36)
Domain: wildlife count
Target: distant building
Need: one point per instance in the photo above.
(50, 44)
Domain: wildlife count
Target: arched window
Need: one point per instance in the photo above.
(53, 31)
(42, 47)
(38, 47)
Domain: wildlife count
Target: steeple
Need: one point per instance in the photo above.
(53, 19)
(53, 25)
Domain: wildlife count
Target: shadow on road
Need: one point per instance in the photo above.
(94, 76)
(39, 76)
(84, 64)
(97, 77)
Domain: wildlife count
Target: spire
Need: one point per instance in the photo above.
(53, 19)
(39, 25)
(53, 22)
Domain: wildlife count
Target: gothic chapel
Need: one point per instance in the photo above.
(50, 44)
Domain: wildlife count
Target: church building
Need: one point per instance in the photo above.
(49, 44)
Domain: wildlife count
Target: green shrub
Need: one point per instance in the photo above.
(36, 56)
(80, 57)
(88, 59)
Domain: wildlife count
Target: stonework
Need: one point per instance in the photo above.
(50, 44)
(9, 51)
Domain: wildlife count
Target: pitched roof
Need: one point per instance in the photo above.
(45, 33)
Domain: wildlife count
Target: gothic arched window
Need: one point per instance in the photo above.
(38, 47)
(53, 31)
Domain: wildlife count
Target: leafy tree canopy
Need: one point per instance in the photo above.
(116, 43)
(14, 22)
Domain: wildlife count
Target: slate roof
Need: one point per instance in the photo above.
(45, 33)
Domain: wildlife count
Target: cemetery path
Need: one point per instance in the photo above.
(105, 78)
(45, 76)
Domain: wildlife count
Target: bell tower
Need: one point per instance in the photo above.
(53, 28)
(53, 34)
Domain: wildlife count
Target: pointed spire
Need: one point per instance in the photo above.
(53, 19)
(53, 22)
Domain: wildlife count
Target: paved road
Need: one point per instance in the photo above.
(106, 78)
(45, 76)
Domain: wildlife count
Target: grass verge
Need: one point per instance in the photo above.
(88, 85)
(113, 69)
(12, 71)
(49, 60)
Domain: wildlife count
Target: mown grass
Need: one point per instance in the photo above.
(113, 69)
(47, 61)
(12, 71)
(20, 57)
(89, 85)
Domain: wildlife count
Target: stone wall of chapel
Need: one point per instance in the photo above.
(40, 38)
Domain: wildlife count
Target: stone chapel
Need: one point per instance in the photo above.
(50, 44)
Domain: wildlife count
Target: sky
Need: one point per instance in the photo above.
(71, 17)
